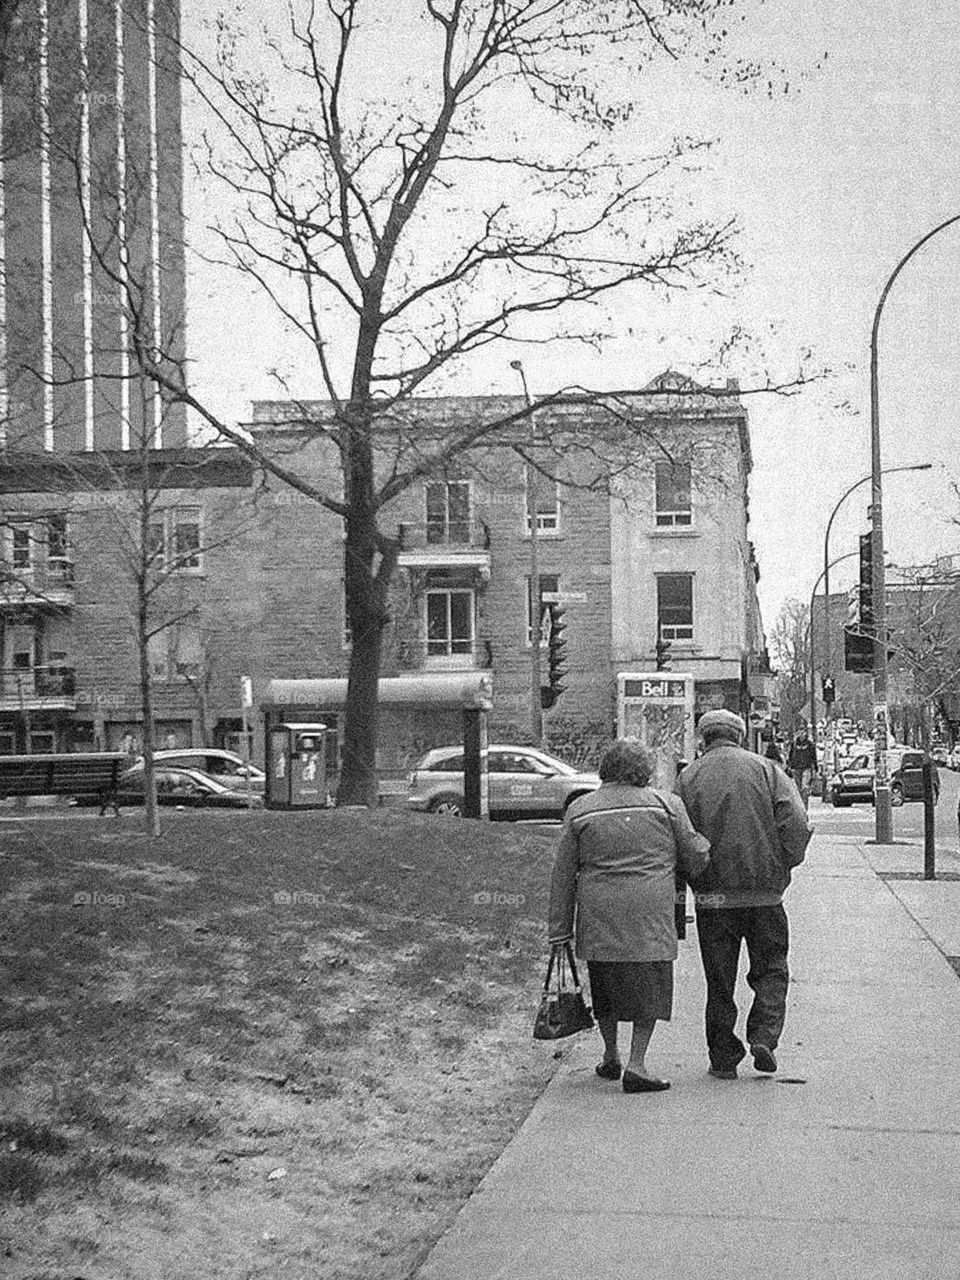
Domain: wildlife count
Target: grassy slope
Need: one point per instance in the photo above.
(321, 993)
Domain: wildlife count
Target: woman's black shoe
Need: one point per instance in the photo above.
(643, 1084)
(609, 1070)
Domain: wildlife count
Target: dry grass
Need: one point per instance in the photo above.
(344, 997)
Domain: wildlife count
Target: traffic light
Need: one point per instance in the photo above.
(556, 659)
(829, 689)
(865, 593)
(663, 654)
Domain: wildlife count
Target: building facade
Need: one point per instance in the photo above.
(662, 554)
(91, 223)
(658, 562)
(77, 532)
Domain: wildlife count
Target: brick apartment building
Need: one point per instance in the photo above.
(666, 554)
(70, 672)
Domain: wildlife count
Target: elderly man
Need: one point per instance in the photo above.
(757, 826)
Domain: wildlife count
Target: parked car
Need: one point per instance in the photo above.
(227, 767)
(953, 759)
(940, 755)
(856, 782)
(524, 782)
(189, 787)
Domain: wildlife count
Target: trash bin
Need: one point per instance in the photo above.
(297, 767)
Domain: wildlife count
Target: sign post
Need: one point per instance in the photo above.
(246, 702)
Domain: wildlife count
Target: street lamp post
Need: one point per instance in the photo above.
(828, 635)
(536, 711)
(824, 578)
(884, 811)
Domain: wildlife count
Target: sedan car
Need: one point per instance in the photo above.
(856, 781)
(524, 782)
(229, 768)
(188, 787)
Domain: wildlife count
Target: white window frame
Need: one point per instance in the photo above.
(673, 519)
(450, 658)
(168, 521)
(677, 631)
(56, 560)
(179, 563)
(460, 482)
(548, 522)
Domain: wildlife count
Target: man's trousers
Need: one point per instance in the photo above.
(721, 931)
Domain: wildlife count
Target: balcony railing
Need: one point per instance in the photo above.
(450, 535)
(30, 684)
(444, 655)
(33, 584)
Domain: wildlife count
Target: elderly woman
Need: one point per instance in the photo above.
(615, 869)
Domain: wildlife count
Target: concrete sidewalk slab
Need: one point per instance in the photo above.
(844, 1165)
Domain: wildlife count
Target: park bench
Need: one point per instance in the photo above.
(80, 773)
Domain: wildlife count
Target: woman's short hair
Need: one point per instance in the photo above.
(628, 762)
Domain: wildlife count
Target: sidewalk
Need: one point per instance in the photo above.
(846, 1164)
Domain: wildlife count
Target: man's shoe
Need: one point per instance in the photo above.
(764, 1059)
(723, 1073)
(632, 1083)
(609, 1070)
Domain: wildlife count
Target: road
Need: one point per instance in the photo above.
(858, 820)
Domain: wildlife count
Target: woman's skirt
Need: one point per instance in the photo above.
(631, 990)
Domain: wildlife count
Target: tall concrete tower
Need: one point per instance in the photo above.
(91, 224)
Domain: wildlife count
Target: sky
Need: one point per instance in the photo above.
(831, 184)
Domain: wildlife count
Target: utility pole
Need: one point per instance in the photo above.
(536, 711)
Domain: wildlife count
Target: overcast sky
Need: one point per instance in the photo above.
(831, 184)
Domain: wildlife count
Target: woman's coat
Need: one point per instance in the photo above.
(615, 869)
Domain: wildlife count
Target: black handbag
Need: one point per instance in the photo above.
(563, 1011)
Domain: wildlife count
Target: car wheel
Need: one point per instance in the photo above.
(448, 803)
(896, 795)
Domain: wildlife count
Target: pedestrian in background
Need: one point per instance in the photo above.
(802, 763)
(751, 814)
(614, 871)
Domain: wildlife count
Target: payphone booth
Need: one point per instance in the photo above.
(657, 708)
(297, 772)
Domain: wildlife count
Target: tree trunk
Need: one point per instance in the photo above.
(358, 778)
(151, 811)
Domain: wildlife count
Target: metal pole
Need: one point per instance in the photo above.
(884, 811)
(887, 471)
(536, 712)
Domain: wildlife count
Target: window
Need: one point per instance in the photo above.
(186, 540)
(448, 511)
(675, 606)
(21, 548)
(546, 497)
(673, 494)
(450, 615)
(186, 652)
(58, 543)
(549, 590)
(174, 541)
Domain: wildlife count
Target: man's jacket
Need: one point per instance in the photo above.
(803, 755)
(755, 821)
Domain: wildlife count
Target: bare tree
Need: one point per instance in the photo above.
(790, 650)
(399, 227)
